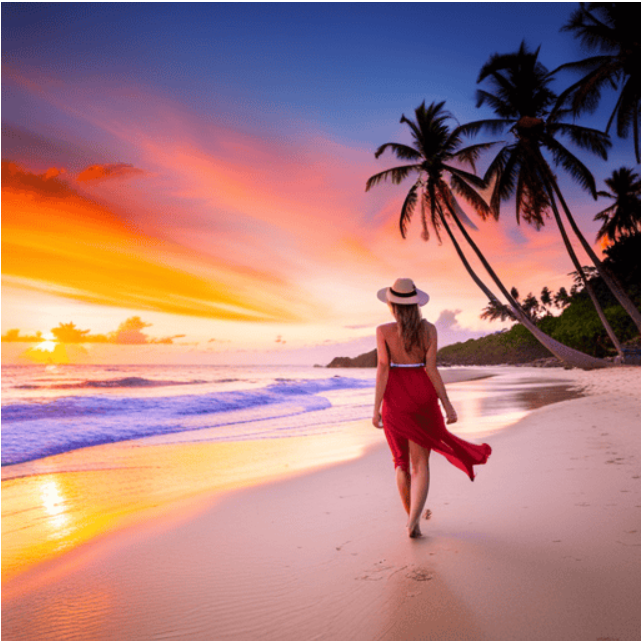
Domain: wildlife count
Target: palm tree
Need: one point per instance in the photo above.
(562, 298)
(613, 31)
(519, 94)
(623, 217)
(531, 306)
(496, 310)
(433, 153)
(546, 299)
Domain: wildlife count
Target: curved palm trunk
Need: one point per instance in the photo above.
(562, 352)
(610, 280)
(586, 283)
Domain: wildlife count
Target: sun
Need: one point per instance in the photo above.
(46, 346)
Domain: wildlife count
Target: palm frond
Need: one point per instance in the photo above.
(472, 153)
(593, 140)
(608, 211)
(494, 126)
(636, 137)
(502, 171)
(433, 203)
(497, 165)
(407, 209)
(587, 92)
(520, 188)
(574, 167)
(395, 174)
(465, 190)
(592, 32)
(532, 200)
(471, 178)
(403, 152)
(629, 107)
(417, 134)
(496, 61)
(582, 66)
(497, 104)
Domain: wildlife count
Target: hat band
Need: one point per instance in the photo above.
(407, 295)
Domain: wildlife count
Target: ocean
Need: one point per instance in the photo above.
(87, 449)
(51, 409)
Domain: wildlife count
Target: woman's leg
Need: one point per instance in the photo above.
(419, 457)
(404, 487)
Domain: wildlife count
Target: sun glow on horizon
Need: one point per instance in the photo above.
(46, 346)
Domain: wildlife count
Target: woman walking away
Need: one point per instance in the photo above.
(407, 389)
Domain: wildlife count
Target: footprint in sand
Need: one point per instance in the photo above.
(419, 574)
(378, 572)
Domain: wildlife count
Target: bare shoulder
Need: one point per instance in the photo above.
(386, 328)
(431, 332)
(430, 327)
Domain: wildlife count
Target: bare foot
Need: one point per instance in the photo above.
(414, 532)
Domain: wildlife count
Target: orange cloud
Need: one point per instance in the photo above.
(61, 241)
(102, 172)
(19, 181)
(277, 217)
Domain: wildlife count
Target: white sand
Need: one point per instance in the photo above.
(544, 545)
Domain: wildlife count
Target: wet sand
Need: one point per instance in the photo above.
(544, 545)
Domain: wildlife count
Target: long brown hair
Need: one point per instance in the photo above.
(409, 327)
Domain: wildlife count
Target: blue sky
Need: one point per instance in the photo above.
(236, 139)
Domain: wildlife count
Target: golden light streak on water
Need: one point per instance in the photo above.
(53, 502)
(112, 486)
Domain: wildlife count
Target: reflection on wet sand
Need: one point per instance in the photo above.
(54, 505)
(97, 490)
(488, 405)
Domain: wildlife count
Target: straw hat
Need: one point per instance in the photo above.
(403, 292)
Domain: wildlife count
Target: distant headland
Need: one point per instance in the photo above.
(513, 347)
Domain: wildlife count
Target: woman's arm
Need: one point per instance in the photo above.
(383, 366)
(434, 375)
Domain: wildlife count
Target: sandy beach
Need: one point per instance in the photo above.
(545, 544)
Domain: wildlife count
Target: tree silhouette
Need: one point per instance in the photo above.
(436, 147)
(517, 89)
(623, 217)
(612, 30)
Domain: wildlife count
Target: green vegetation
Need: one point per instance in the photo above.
(516, 345)
(578, 326)
(535, 124)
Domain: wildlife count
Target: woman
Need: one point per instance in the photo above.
(407, 389)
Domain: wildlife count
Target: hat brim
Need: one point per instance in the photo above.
(421, 298)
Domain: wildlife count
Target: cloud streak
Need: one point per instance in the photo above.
(112, 171)
(52, 235)
(129, 332)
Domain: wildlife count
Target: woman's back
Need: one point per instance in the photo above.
(395, 346)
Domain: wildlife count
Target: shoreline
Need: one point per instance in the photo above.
(323, 554)
(80, 496)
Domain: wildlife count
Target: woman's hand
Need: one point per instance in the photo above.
(377, 420)
(452, 417)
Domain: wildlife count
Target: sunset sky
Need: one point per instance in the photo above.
(202, 167)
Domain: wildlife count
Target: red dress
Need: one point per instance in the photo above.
(410, 412)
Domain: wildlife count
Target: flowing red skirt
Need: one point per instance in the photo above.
(410, 412)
